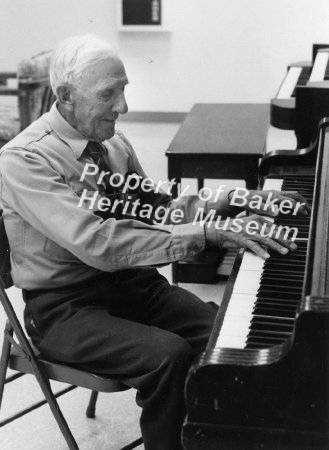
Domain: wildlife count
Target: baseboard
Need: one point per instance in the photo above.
(153, 116)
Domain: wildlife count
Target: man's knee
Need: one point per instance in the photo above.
(174, 351)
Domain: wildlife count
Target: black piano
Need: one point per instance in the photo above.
(310, 74)
(263, 381)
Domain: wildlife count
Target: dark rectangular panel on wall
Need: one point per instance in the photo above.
(141, 12)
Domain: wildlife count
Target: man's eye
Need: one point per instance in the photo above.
(107, 95)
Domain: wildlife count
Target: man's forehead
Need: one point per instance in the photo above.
(116, 67)
(110, 70)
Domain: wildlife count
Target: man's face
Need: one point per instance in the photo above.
(98, 99)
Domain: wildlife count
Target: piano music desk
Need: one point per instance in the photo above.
(216, 141)
(219, 141)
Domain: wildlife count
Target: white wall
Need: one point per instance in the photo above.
(217, 50)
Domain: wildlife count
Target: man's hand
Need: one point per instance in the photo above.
(270, 203)
(244, 234)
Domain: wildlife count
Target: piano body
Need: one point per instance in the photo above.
(302, 100)
(310, 74)
(263, 381)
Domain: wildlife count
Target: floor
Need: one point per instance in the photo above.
(116, 423)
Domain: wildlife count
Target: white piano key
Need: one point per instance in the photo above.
(251, 262)
(319, 66)
(236, 327)
(237, 321)
(274, 184)
(242, 309)
(244, 301)
(231, 342)
(238, 314)
(239, 327)
(289, 83)
(248, 283)
(238, 309)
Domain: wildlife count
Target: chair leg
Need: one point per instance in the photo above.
(5, 353)
(57, 413)
(91, 408)
(133, 444)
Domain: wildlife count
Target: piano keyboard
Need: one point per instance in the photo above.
(296, 76)
(284, 103)
(266, 294)
(320, 69)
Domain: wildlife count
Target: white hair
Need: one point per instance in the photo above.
(74, 55)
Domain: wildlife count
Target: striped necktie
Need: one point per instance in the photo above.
(97, 153)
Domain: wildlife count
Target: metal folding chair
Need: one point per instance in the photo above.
(19, 354)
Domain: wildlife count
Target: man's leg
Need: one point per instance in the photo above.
(165, 306)
(75, 328)
(170, 308)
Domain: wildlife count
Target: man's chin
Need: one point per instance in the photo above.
(107, 131)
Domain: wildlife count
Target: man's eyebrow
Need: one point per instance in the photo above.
(114, 85)
(111, 87)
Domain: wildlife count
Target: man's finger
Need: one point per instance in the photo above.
(256, 248)
(272, 231)
(282, 196)
(273, 245)
(298, 198)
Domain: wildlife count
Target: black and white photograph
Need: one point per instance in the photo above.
(164, 225)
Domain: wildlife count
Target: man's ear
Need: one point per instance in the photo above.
(64, 96)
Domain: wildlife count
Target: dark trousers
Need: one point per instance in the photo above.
(132, 325)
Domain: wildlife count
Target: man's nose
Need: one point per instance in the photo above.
(120, 106)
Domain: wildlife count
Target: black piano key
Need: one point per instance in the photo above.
(274, 311)
(280, 273)
(278, 334)
(282, 300)
(289, 258)
(276, 261)
(276, 294)
(269, 279)
(271, 304)
(285, 277)
(269, 328)
(273, 340)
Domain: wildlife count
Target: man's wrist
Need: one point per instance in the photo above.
(213, 236)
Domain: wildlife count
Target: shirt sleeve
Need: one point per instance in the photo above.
(41, 197)
(183, 210)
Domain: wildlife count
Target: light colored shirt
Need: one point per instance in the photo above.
(55, 238)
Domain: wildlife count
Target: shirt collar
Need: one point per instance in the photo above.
(66, 132)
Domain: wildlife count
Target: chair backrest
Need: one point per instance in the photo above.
(35, 94)
(5, 267)
(6, 282)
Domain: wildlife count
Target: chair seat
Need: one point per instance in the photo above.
(66, 374)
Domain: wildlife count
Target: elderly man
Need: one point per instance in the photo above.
(92, 296)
